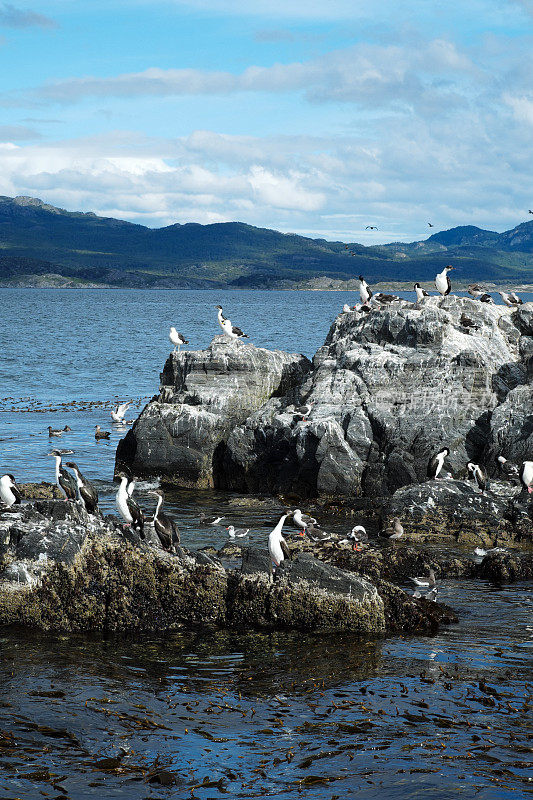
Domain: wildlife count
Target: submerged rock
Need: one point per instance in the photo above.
(181, 433)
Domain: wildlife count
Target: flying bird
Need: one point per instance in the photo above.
(117, 414)
(371, 228)
(430, 225)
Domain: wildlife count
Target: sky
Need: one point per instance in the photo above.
(317, 117)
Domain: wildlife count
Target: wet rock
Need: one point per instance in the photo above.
(506, 567)
(181, 434)
(39, 491)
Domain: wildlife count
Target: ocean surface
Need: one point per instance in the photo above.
(208, 716)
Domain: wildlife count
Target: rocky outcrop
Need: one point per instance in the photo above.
(389, 389)
(63, 570)
(182, 433)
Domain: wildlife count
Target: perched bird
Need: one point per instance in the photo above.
(526, 476)
(316, 534)
(436, 463)
(443, 282)
(346, 309)
(100, 434)
(221, 317)
(64, 480)
(467, 322)
(365, 293)
(9, 491)
(478, 475)
(507, 469)
(210, 520)
(232, 331)
(479, 293)
(86, 490)
(303, 411)
(425, 583)
(371, 228)
(117, 414)
(240, 533)
(357, 536)
(394, 531)
(128, 508)
(58, 431)
(511, 299)
(420, 293)
(177, 338)
(302, 520)
(385, 299)
(277, 546)
(165, 527)
(431, 595)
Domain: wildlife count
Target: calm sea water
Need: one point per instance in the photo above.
(231, 715)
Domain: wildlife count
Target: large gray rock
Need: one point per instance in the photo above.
(204, 394)
(389, 389)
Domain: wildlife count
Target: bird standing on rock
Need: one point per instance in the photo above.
(302, 520)
(86, 490)
(365, 292)
(165, 527)
(9, 491)
(232, 331)
(177, 339)
(277, 546)
(127, 507)
(526, 476)
(443, 282)
(507, 469)
(394, 531)
(420, 293)
(436, 462)
(357, 536)
(316, 534)
(64, 480)
(511, 299)
(478, 475)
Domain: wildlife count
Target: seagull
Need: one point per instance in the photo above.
(508, 469)
(357, 536)
(526, 476)
(232, 331)
(302, 520)
(365, 293)
(420, 293)
(117, 414)
(277, 546)
(479, 293)
(86, 490)
(240, 533)
(443, 283)
(371, 228)
(210, 520)
(64, 480)
(127, 507)
(430, 225)
(177, 339)
(511, 299)
(478, 475)
(425, 583)
(165, 527)
(316, 534)
(436, 462)
(9, 491)
(100, 434)
(395, 531)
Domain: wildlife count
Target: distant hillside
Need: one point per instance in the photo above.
(38, 239)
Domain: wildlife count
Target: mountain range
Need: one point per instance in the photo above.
(44, 245)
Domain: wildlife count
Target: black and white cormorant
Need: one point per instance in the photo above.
(127, 507)
(177, 338)
(221, 317)
(420, 293)
(475, 471)
(436, 462)
(64, 480)
(526, 476)
(165, 527)
(9, 491)
(365, 292)
(277, 546)
(86, 489)
(100, 434)
(443, 282)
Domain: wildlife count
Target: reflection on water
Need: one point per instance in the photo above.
(275, 715)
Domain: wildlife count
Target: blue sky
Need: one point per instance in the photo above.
(314, 117)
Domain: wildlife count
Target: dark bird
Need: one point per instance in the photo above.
(64, 480)
(430, 225)
(475, 471)
(425, 583)
(479, 293)
(206, 520)
(466, 322)
(9, 491)
(507, 469)
(165, 527)
(303, 411)
(385, 299)
(316, 534)
(436, 462)
(530, 211)
(128, 508)
(371, 228)
(394, 531)
(86, 489)
(100, 434)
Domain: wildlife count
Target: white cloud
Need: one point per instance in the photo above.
(522, 107)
